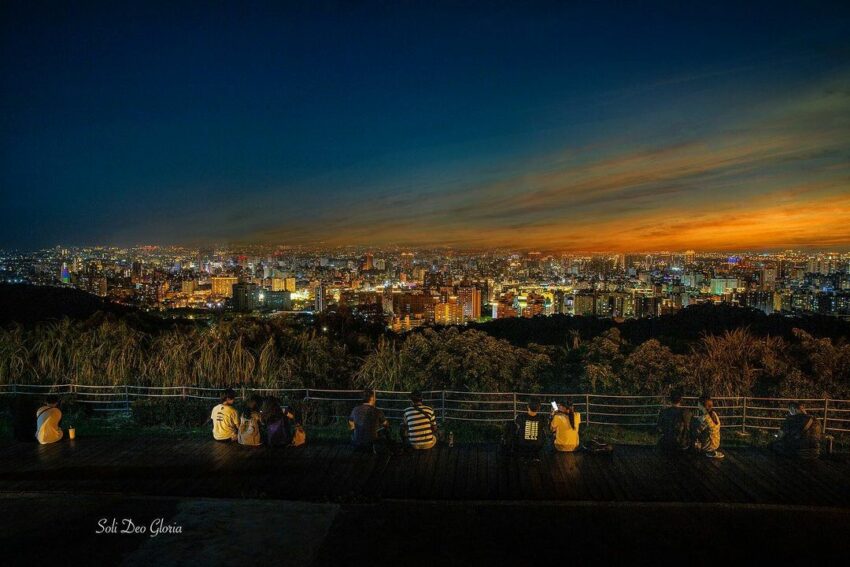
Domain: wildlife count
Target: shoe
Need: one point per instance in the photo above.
(715, 455)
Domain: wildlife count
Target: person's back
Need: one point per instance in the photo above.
(673, 424)
(367, 420)
(802, 435)
(564, 426)
(420, 424)
(225, 418)
(249, 429)
(706, 430)
(530, 430)
(47, 419)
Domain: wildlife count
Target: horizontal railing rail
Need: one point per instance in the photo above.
(736, 412)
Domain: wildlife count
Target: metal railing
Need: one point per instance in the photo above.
(742, 413)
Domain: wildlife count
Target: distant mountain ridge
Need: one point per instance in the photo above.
(28, 304)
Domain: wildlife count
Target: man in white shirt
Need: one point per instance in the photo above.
(225, 418)
(47, 419)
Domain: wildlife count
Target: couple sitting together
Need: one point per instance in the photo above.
(529, 432)
(371, 432)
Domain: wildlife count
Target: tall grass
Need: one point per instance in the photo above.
(264, 354)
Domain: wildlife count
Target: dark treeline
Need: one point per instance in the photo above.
(678, 331)
(721, 350)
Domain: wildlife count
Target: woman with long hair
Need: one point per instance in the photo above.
(564, 426)
(707, 430)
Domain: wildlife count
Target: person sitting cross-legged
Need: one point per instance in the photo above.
(420, 424)
(225, 418)
(706, 430)
(800, 436)
(368, 425)
(530, 431)
(47, 420)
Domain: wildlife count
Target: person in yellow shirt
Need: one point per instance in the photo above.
(707, 430)
(47, 420)
(225, 418)
(564, 426)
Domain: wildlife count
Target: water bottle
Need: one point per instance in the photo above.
(451, 439)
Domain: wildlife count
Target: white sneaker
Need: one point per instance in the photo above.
(715, 455)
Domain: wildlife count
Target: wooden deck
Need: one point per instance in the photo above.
(332, 471)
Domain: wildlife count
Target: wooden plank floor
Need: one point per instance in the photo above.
(332, 471)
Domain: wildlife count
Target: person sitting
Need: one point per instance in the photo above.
(249, 423)
(564, 427)
(279, 422)
(530, 430)
(800, 435)
(706, 430)
(368, 424)
(47, 420)
(225, 418)
(420, 424)
(673, 425)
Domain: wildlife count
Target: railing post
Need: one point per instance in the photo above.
(587, 407)
(825, 412)
(443, 407)
(515, 408)
(744, 417)
(127, 398)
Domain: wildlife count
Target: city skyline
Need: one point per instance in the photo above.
(380, 125)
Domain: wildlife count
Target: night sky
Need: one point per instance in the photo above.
(553, 126)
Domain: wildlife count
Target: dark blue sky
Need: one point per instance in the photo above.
(546, 124)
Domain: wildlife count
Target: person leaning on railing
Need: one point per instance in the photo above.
(800, 435)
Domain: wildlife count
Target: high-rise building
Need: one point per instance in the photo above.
(222, 286)
(448, 312)
(584, 304)
(319, 301)
(279, 300)
(768, 279)
(720, 286)
(368, 263)
(690, 257)
(470, 300)
(246, 297)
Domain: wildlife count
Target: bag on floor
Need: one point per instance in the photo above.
(299, 437)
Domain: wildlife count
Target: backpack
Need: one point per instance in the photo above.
(299, 437)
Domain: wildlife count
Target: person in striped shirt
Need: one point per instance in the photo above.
(420, 423)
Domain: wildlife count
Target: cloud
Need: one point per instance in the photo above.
(777, 177)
